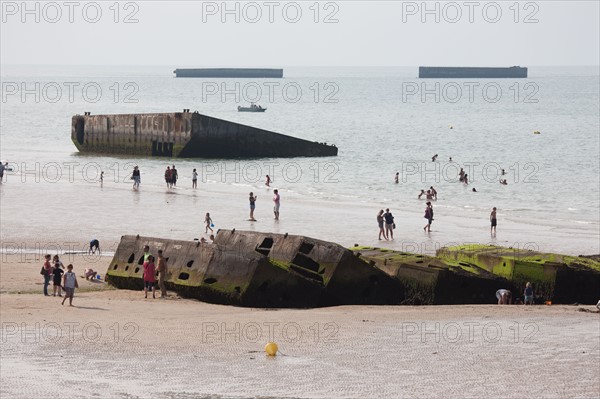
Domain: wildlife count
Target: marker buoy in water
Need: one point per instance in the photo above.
(536, 132)
(271, 348)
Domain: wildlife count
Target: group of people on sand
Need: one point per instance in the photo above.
(53, 269)
(152, 270)
(504, 296)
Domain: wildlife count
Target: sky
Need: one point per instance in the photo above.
(303, 33)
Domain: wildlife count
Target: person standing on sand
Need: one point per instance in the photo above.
(57, 273)
(380, 224)
(528, 293)
(162, 273)
(147, 253)
(428, 216)
(174, 176)
(208, 222)
(47, 273)
(194, 179)
(493, 220)
(504, 297)
(149, 279)
(136, 177)
(397, 178)
(276, 203)
(389, 224)
(168, 175)
(268, 181)
(69, 284)
(252, 200)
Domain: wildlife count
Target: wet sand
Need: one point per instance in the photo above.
(116, 344)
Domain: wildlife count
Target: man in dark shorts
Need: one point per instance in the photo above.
(493, 220)
(94, 245)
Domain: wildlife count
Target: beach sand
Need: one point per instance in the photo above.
(116, 344)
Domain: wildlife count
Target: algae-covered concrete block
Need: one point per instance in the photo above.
(559, 278)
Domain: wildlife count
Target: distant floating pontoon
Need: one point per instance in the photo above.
(228, 73)
(472, 72)
(252, 108)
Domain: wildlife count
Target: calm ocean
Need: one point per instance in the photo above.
(383, 120)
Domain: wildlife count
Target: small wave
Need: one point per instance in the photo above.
(573, 209)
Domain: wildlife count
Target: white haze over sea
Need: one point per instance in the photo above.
(371, 114)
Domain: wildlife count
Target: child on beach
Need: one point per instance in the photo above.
(252, 200)
(528, 294)
(493, 220)
(397, 178)
(57, 273)
(194, 179)
(268, 181)
(69, 284)
(149, 279)
(208, 222)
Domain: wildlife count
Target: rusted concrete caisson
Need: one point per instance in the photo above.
(259, 270)
(187, 135)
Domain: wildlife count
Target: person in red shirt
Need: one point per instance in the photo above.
(149, 277)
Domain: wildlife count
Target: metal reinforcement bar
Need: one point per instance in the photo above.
(228, 73)
(185, 135)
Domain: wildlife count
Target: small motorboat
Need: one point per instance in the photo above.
(252, 108)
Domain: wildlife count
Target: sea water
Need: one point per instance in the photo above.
(383, 121)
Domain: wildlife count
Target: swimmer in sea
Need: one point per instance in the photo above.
(434, 158)
(397, 178)
(461, 175)
(422, 194)
(474, 190)
(504, 182)
(429, 195)
(493, 220)
(433, 193)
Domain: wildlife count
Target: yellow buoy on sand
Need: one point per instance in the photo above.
(271, 348)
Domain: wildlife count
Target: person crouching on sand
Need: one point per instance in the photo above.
(69, 285)
(504, 297)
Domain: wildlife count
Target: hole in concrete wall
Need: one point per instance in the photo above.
(267, 243)
(305, 262)
(373, 279)
(126, 267)
(238, 289)
(265, 246)
(210, 280)
(263, 287)
(183, 276)
(115, 267)
(131, 258)
(80, 130)
(141, 260)
(306, 247)
(190, 263)
(137, 269)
